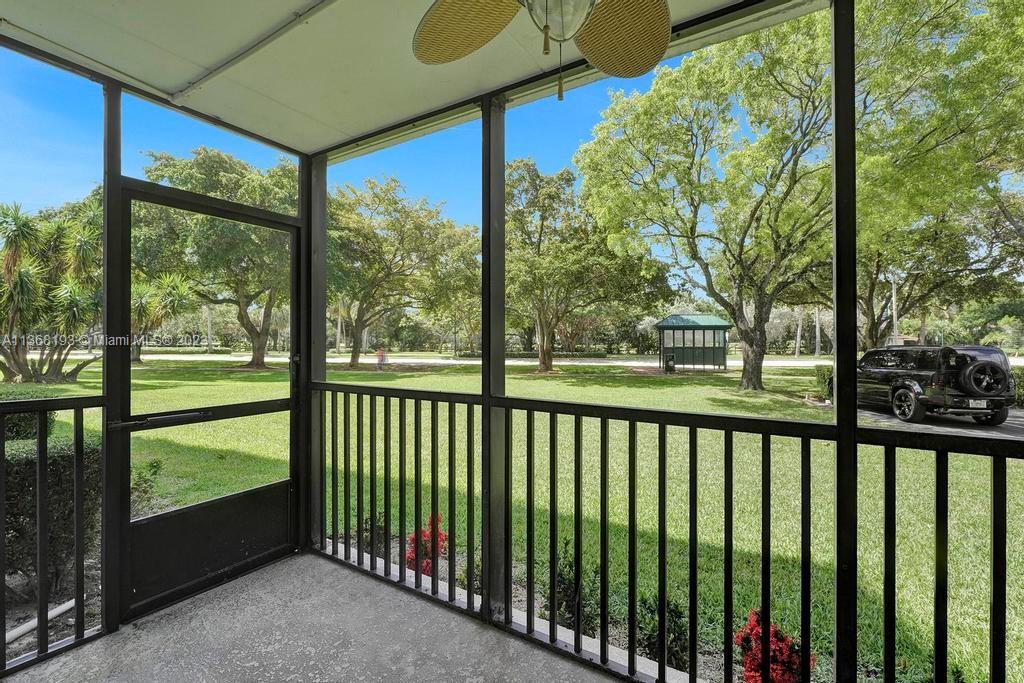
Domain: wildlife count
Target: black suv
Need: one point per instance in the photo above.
(916, 380)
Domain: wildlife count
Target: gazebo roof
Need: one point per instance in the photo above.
(693, 321)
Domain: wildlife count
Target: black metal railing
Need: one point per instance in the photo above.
(372, 443)
(998, 451)
(564, 632)
(41, 409)
(694, 426)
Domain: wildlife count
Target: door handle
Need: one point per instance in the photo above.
(162, 421)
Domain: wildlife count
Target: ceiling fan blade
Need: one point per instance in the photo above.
(626, 38)
(452, 29)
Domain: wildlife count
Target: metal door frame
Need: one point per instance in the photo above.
(222, 538)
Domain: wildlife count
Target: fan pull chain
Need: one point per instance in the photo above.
(547, 29)
(561, 81)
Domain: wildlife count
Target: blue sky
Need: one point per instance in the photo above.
(445, 166)
(53, 149)
(53, 128)
(53, 133)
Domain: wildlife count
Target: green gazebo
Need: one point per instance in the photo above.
(693, 340)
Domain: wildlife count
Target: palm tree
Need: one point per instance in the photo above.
(152, 303)
(51, 271)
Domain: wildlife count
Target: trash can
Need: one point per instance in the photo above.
(670, 364)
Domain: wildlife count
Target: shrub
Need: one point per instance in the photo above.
(565, 593)
(381, 546)
(1018, 381)
(185, 349)
(462, 580)
(143, 488)
(823, 381)
(424, 538)
(677, 654)
(23, 425)
(20, 469)
(784, 652)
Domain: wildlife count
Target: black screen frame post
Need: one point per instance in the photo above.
(493, 452)
(846, 334)
(310, 362)
(116, 467)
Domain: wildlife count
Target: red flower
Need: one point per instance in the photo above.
(784, 653)
(423, 538)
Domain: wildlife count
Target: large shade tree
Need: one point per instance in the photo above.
(723, 165)
(385, 253)
(451, 296)
(50, 288)
(940, 109)
(726, 162)
(226, 263)
(560, 261)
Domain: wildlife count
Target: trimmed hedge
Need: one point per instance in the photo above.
(23, 425)
(21, 506)
(1018, 380)
(182, 350)
(533, 354)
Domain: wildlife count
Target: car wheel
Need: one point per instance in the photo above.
(993, 419)
(906, 407)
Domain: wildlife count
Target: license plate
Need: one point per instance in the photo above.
(977, 404)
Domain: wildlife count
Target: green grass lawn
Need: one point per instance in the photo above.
(200, 461)
(207, 460)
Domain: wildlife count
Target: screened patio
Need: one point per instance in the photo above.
(322, 572)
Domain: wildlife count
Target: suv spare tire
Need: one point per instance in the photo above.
(983, 378)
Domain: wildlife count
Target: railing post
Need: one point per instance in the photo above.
(997, 604)
(116, 514)
(845, 302)
(493, 454)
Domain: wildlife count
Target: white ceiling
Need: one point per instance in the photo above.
(347, 71)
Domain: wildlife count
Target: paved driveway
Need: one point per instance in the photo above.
(1013, 428)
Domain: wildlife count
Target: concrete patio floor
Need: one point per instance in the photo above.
(307, 619)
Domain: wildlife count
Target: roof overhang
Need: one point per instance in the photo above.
(316, 76)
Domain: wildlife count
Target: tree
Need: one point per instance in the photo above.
(1011, 208)
(452, 285)
(559, 260)
(382, 251)
(226, 263)
(154, 302)
(723, 163)
(50, 286)
(611, 324)
(280, 326)
(940, 94)
(1007, 334)
(940, 137)
(943, 261)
